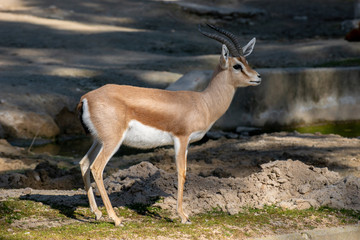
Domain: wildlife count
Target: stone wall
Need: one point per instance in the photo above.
(288, 96)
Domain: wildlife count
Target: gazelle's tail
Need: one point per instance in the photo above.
(80, 111)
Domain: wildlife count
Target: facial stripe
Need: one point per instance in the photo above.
(244, 68)
(247, 70)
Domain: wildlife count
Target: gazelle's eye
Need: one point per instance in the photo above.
(237, 67)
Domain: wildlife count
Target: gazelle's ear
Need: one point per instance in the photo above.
(248, 48)
(224, 59)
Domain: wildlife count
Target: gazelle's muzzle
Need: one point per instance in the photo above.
(257, 81)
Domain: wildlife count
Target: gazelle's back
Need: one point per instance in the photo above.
(164, 110)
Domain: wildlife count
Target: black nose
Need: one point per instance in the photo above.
(259, 76)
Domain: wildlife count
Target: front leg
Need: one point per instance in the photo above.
(181, 144)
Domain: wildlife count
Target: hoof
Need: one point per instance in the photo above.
(187, 221)
(98, 215)
(118, 222)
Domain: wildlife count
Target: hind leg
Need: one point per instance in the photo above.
(97, 168)
(85, 172)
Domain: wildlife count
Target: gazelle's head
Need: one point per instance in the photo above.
(233, 56)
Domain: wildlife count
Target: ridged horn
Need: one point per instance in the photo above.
(231, 36)
(230, 45)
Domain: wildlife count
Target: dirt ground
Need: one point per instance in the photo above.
(54, 51)
(291, 170)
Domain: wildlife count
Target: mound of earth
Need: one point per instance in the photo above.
(43, 176)
(289, 184)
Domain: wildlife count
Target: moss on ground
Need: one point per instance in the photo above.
(345, 129)
(150, 222)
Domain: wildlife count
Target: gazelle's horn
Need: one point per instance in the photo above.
(230, 35)
(230, 45)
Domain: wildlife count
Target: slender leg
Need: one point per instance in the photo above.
(181, 145)
(97, 169)
(85, 172)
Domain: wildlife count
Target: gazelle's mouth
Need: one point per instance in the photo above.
(256, 82)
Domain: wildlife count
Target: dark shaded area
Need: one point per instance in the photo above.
(64, 203)
(44, 176)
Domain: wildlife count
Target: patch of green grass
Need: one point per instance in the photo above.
(141, 221)
(15, 209)
(345, 129)
(342, 214)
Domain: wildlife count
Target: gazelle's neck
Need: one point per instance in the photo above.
(219, 93)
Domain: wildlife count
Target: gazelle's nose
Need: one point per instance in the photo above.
(259, 76)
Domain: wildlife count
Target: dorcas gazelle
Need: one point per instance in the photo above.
(147, 118)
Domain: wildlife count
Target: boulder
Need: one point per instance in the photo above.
(24, 124)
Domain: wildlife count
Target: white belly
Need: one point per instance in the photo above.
(139, 135)
(196, 136)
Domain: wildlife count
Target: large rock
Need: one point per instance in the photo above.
(24, 124)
